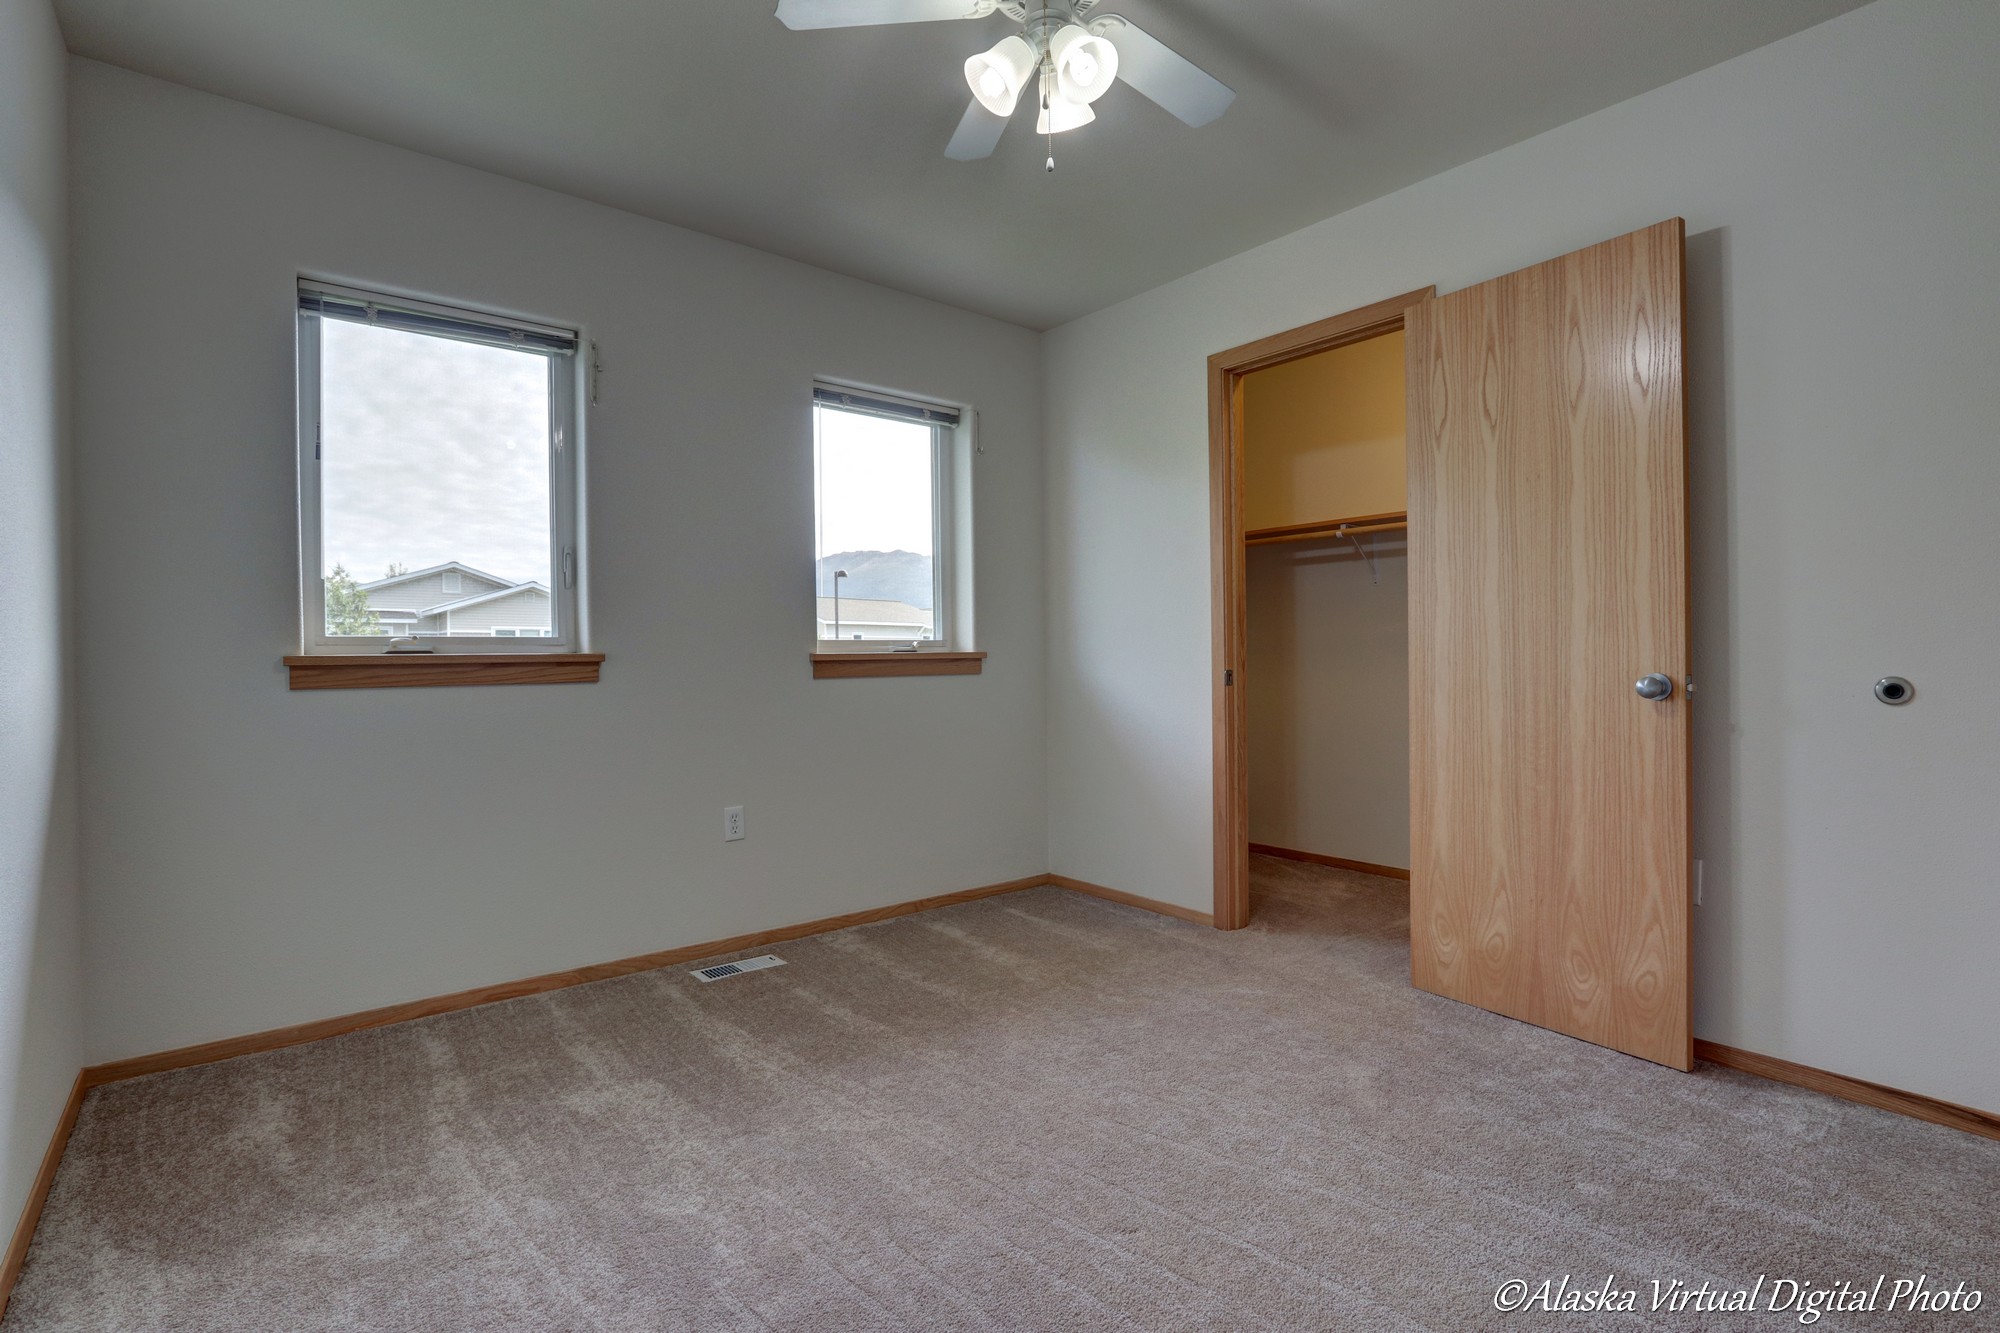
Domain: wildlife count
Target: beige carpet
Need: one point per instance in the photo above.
(1040, 1111)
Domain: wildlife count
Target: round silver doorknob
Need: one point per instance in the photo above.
(1655, 686)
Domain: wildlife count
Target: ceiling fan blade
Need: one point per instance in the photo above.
(799, 15)
(977, 136)
(1164, 75)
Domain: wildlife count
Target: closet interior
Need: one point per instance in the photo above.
(1327, 615)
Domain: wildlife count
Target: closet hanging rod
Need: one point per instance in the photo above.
(1335, 527)
(1336, 531)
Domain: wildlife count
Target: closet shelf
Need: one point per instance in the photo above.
(1360, 525)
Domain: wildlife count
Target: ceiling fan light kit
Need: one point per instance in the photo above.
(1073, 61)
(998, 76)
(1059, 113)
(1085, 65)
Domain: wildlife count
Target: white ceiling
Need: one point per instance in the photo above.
(828, 146)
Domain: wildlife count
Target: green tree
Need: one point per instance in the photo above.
(347, 609)
(397, 571)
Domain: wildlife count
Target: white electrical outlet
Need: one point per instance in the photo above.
(1697, 883)
(732, 824)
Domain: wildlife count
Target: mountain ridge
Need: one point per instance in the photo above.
(892, 576)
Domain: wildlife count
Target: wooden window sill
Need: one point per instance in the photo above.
(375, 671)
(848, 666)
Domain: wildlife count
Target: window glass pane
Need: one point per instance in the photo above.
(434, 484)
(876, 529)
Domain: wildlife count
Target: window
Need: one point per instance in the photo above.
(437, 476)
(884, 566)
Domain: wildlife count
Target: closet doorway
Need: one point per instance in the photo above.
(1327, 632)
(1546, 535)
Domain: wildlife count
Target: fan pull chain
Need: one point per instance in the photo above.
(1050, 122)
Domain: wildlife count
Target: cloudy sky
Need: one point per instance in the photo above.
(874, 484)
(432, 450)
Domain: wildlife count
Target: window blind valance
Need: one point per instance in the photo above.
(884, 405)
(332, 302)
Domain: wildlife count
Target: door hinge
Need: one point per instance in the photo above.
(1229, 675)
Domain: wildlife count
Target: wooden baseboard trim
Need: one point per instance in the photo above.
(38, 1194)
(229, 1048)
(1337, 862)
(1131, 899)
(1914, 1104)
(277, 1038)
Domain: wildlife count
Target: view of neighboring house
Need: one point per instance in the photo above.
(456, 599)
(872, 618)
(452, 599)
(883, 595)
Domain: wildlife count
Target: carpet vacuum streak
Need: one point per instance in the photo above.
(1036, 1111)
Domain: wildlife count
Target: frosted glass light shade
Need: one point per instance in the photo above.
(1085, 65)
(997, 76)
(1061, 114)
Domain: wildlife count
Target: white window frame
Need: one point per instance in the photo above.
(566, 438)
(953, 442)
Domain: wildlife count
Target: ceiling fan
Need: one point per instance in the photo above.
(1070, 58)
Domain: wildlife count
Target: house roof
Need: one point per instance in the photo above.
(874, 611)
(461, 603)
(414, 574)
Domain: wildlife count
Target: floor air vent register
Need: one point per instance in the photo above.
(720, 970)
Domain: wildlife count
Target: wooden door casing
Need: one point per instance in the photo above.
(1548, 572)
(1228, 595)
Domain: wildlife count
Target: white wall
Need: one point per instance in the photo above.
(41, 1005)
(1841, 190)
(257, 857)
(1328, 683)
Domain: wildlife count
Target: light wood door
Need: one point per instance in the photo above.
(1548, 573)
